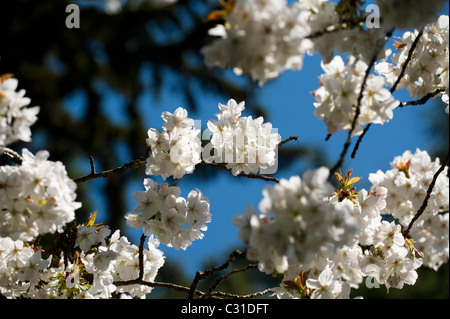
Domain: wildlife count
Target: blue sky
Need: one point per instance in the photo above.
(289, 105)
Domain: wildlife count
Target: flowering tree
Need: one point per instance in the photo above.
(324, 239)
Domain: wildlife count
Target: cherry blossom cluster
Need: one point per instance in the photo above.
(259, 38)
(333, 272)
(92, 274)
(174, 220)
(15, 117)
(331, 28)
(378, 253)
(36, 197)
(21, 267)
(295, 222)
(337, 97)
(264, 38)
(408, 182)
(115, 262)
(428, 69)
(244, 144)
(177, 149)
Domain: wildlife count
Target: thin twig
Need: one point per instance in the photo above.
(334, 28)
(140, 281)
(91, 161)
(10, 155)
(360, 137)
(355, 118)
(222, 278)
(290, 138)
(252, 176)
(202, 275)
(423, 99)
(171, 286)
(134, 164)
(427, 197)
(358, 104)
(140, 162)
(393, 88)
(420, 101)
(141, 256)
(180, 288)
(235, 296)
(408, 59)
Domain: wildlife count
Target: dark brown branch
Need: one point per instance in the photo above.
(156, 285)
(252, 176)
(202, 275)
(140, 281)
(235, 296)
(423, 99)
(420, 101)
(192, 290)
(134, 164)
(261, 177)
(180, 288)
(355, 149)
(10, 155)
(393, 88)
(222, 278)
(355, 118)
(141, 256)
(334, 28)
(140, 162)
(358, 105)
(427, 197)
(408, 59)
(295, 138)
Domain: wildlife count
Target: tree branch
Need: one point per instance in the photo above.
(140, 281)
(355, 149)
(290, 138)
(335, 28)
(393, 88)
(358, 104)
(202, 275)
(424, 99)
(252, 176)
(420, 101)
(134, 164)
(235, 296)
(171, 286)
(408, 59)
(140, 162)
(10, 155)
(141, 256)
(222, 278)
(427, 197)
(355, 118)
(180, 288)
(192, 290)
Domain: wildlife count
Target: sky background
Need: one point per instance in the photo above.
(289, 105)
